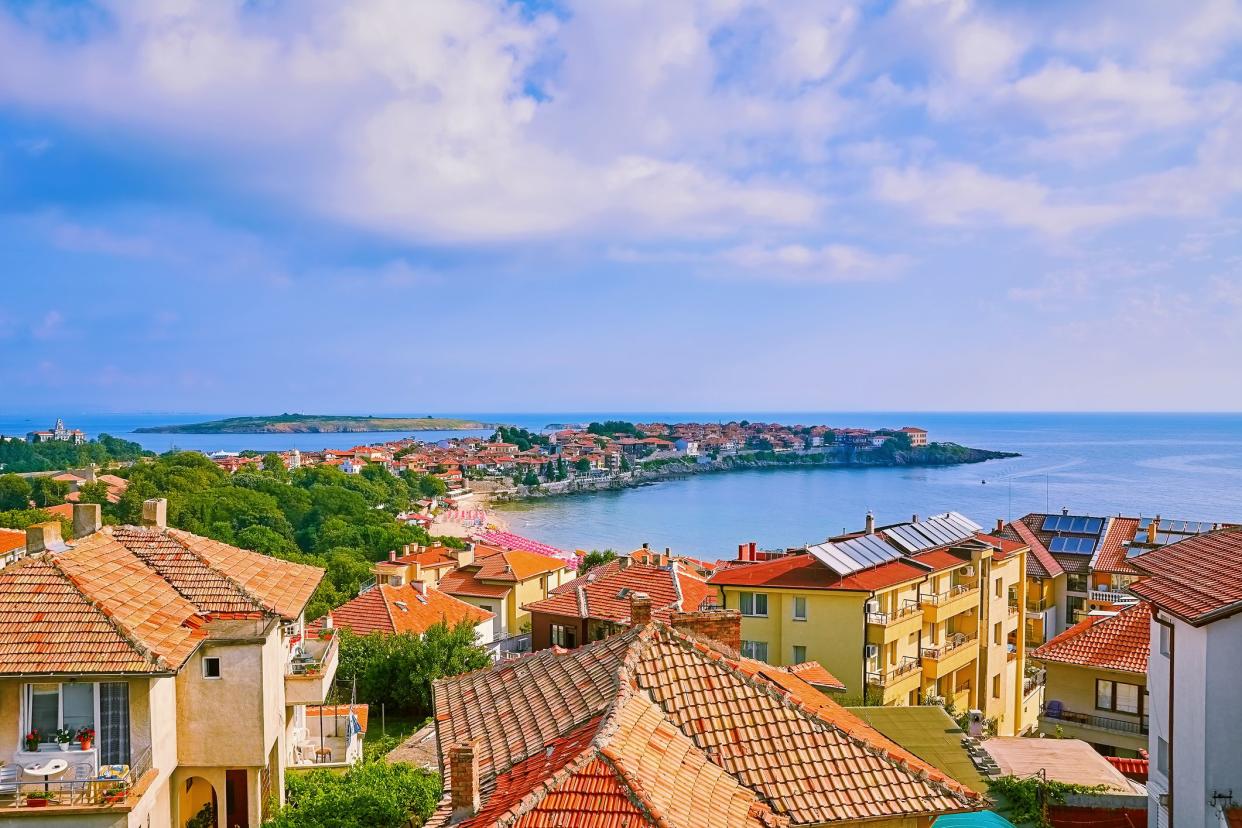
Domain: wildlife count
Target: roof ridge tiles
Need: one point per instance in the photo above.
(259, 602)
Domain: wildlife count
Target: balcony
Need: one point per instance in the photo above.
(1055, 714)
(1037, 606)
(951, 602)
(1108, 596)
(61, 796)
(895, 684)
(312, 669)
(883, 627)
(950, 657)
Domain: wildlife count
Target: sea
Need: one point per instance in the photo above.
(1177, 465)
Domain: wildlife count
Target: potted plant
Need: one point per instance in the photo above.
(86, 736)
(63, 737)
(38, 799)
(32, 741)
(326, 633)
(114, 793)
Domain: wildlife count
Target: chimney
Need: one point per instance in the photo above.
(742, 549)
(463, 780)
(640, 609)
(405, 549)
(1000, 525)
(1152, 529)
(44, 537)
(86, 520)
(327, 621)
(155, 513)
(870, 523)
(624, 561)
(754, 547)
(646, 545)
(465, 557)
(914, 518)
(721, 626)
(392, 554)
(1065, 510)
(419, 587)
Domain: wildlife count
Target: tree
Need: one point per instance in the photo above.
(595, 558)
(95, 492)
(368, 795)
(274, 465)
(582, 465)
(48, 492)
(14, 492)
(531, 479)
(397, 669)
(22, 518)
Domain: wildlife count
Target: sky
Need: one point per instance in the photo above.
(464, 205)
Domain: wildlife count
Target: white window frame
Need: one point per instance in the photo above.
(754, 604)
(799, 599)
(219, 668)
(749, 650)
(27, 711)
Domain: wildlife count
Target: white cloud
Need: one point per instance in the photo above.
(823, 263)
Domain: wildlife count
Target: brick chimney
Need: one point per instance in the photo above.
(155, 513)
(392, 554)
(754, 550)
(1000, 525)
(722, 626)
(463, 780)
(86, 519)
(742, 550)
(640, 609)
(44, 537)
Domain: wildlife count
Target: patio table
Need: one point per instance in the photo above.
(47, 770)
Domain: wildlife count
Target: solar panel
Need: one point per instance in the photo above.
(1077, 546)
(1081, 524)
(1179, 527)
(845, 557)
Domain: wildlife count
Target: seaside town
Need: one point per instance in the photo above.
(924, 672)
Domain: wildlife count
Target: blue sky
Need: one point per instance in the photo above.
(717, 205)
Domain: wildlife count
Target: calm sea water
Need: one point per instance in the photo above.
(1178, 465)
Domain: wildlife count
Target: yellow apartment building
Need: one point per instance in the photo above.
(503, 582)
(897, 624)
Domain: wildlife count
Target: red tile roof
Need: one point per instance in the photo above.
(813, 673)
(1198, 579)
(607, 597)
(515, 565)
(1119, 642)
(403, 609)
(464, 582)
(135, 600)
(1005, 546)
(1040, 563)
(651, 727)
(11, 539)
(360, 711)
(1111, 556)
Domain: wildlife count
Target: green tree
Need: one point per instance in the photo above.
(95, 492)
(48, 492)
(397, 670)
(274, 465)
(595, 558)
(582, 465)
(531, 479)
(14, 492)
(22, 518)
(368, 795)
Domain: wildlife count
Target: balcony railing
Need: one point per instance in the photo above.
(1108, 596)
(886, 618)
(1013, 610)
(1137, 727)
(1033, 682)
(948, 595)
(885, 679)
(30, 792)
(952, 645)
(313, 654)
(1037, 605)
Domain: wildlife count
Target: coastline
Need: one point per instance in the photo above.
(663, 470)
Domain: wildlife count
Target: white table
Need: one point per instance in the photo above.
(47, 770)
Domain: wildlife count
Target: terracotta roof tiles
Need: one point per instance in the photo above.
(607, 597)
(402, 609)
(1119, 642)
(1111, 556)
(1198, 579)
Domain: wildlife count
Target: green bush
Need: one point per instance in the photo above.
(368, 795)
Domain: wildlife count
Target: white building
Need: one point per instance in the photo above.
(1194, 677)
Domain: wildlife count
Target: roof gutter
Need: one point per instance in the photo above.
(1172, 652)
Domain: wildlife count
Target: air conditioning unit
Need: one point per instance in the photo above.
(872, 651)
(967, 571)
(872, 606)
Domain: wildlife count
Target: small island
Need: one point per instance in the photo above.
(316, 424)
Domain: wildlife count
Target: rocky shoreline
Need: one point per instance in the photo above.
(936, 454)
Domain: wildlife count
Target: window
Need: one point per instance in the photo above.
(757, 650)
(799, 608)
(799, 654)
(1118, 696)
(998, 588)
(50, 706)
(754, 603)
(563, 636)
(1164, 639)
(1162, 756)
(996, 686)
(996, 633)
(211, 667)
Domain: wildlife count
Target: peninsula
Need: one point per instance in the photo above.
(316, 424)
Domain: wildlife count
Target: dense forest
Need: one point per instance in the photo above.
(20, 456)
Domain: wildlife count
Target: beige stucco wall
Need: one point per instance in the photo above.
(216, 718)
(1074, 687)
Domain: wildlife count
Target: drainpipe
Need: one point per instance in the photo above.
(1172, 651)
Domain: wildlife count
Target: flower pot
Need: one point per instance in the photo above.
(36, 803)
(113, 798)
(86, 744)
(64, 746)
